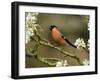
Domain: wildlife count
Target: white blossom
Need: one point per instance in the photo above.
(86, 62)
(80, 43)
(28, 16)
(65, 63)
(89, 26)
(88, 44)
(62, 63)
(35, 13)
(31, 20)
(29, 33)
(59, 64)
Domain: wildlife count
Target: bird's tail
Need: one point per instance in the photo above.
(69, 42)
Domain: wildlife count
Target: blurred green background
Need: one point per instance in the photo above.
(72, 27)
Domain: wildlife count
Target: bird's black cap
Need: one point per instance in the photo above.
(52, 26)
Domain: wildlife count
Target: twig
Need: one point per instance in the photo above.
(44, 60)
(29, 52)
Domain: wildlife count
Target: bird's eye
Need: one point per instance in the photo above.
(62, 36)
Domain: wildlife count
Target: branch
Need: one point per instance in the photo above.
(40, 41)
(47, 43)
(44, 60)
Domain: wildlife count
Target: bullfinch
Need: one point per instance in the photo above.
(58, 37)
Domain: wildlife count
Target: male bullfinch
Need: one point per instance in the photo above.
(58, 37)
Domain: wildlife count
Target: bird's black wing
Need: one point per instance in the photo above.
(68, 41)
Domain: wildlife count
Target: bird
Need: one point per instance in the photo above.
(58, 37)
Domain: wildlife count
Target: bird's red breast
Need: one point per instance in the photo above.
(56, 35)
